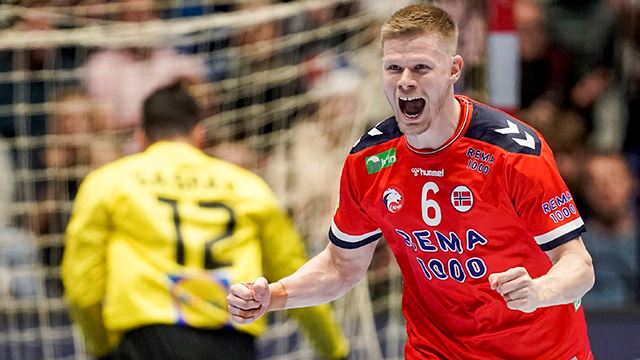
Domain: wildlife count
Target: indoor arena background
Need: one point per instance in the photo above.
(288, 87)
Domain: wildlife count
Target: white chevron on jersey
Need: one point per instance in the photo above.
(513, 129)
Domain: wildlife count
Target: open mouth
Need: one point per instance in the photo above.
(411, 107)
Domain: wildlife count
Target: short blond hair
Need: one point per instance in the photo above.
(421, 19)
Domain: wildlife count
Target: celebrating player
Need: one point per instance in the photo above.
(156, 239)
(470, 201)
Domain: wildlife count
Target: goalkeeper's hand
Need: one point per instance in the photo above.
(249, 301)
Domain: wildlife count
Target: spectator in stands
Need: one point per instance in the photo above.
(156, 238)
(18, 279)
(613, 239)
(120, 78)
(545, 68)
(76, 144)
(80, 129)
(587, 30)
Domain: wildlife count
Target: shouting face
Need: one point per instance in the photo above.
(418, 73)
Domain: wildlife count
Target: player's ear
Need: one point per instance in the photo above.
(197, 136)
(456, 68)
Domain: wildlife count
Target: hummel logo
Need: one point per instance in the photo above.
(528, 141)
(425, 172)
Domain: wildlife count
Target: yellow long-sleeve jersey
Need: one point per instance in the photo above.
(158, 238)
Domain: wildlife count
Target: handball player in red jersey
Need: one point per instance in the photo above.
(471, 203)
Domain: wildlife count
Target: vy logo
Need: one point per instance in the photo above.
(393, 199)
(380, 161)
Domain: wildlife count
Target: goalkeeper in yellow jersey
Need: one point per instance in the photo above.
(156, 239)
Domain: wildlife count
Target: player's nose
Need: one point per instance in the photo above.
(406, 80)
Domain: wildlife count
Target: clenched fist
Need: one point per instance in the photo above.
(249, 301)
(518, 289)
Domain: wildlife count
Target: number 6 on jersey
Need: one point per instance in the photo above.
(433, 217)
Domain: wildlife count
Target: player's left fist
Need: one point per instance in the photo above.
(518, 289)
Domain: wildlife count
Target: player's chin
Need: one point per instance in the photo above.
(412, 128)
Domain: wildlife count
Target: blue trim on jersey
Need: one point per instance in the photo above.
(388, 129)
(487, 120)
(352, 245)
(563, 239)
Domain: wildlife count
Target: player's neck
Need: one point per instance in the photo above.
(443, 126)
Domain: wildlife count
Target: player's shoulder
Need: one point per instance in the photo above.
(382, 132)
(105, 181)
(500, 129)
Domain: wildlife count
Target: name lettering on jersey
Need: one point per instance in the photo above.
(380, 161)
(479, 160)
(393, 199)
(559, 207)
(427, 241)
(425, 172)
(181, 180)
(462, 198)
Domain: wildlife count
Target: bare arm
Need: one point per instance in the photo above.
(570, 277)
(324, 278)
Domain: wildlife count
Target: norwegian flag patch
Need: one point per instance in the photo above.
(462, 198)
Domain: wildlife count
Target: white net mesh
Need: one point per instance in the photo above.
(288, 86)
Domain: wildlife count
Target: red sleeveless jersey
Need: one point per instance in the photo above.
(489, 199)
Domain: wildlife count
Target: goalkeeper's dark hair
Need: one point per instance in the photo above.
(169, 112)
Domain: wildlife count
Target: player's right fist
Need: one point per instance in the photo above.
(249, 301)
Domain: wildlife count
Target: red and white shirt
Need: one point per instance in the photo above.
(489, 199)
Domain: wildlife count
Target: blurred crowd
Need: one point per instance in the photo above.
(66, 110)
(580, 88)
